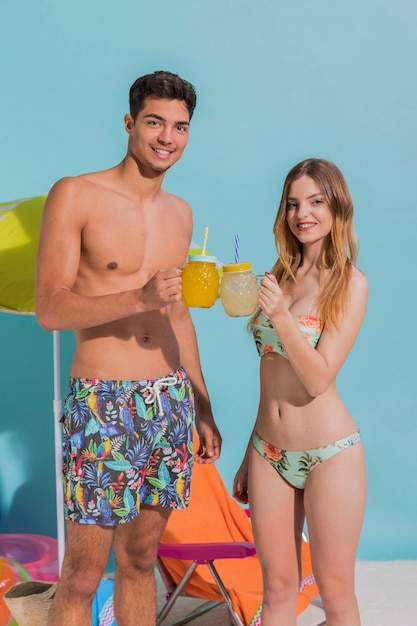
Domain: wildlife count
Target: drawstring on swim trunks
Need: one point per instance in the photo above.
(154, 389)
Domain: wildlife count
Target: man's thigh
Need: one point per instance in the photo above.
(87, 546)
(138, 540)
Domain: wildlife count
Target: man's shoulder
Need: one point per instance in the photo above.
(68, 184)
(72, 195)
(81, 184)
(175, 201)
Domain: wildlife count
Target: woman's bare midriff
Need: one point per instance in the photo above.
(289, 418)
(141, 347)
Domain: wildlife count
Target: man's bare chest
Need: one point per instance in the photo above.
(126, 242)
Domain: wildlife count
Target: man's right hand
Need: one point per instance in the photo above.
(162, 288)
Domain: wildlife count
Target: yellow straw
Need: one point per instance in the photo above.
(203, 249)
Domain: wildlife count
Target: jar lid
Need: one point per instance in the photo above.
(237, 267)
(203, 258)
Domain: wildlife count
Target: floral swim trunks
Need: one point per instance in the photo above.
(126, 443)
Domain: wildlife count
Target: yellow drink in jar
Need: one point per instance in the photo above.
(239, 289)
(200, 281)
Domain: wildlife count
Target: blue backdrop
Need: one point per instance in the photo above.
(277, 82)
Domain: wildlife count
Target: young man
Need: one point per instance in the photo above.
(109, 267)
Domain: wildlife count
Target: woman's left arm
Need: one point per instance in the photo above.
(317, 368)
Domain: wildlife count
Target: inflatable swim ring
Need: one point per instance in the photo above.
(11, 573)
(37, 553)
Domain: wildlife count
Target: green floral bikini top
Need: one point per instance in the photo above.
(267, 340)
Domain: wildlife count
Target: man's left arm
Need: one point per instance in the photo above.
(208, 433)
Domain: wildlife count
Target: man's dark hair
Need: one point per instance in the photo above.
(161, 85)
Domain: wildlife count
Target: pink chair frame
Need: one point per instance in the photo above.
(200, 554)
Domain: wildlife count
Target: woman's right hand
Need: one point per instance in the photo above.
(271, 296)
(240, 483)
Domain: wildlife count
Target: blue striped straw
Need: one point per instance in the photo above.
(236, 248)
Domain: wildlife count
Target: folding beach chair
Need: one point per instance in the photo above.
(207, 552)
(200, 554)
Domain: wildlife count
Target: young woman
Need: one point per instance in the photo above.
(305, 458)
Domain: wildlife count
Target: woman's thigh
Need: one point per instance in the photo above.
(277, 518)
(334, 501)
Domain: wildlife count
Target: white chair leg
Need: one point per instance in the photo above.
(233, 615)
(174, 595)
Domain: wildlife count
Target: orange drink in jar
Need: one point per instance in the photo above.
(200, 281)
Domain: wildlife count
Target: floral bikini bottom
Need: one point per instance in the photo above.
(294, 467)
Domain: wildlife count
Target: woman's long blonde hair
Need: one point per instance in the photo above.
(341, 249)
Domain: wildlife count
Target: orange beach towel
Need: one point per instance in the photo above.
(214, 516)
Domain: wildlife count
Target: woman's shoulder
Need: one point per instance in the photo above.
(358, 282)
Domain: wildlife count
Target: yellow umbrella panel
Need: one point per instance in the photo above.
(19, 235)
